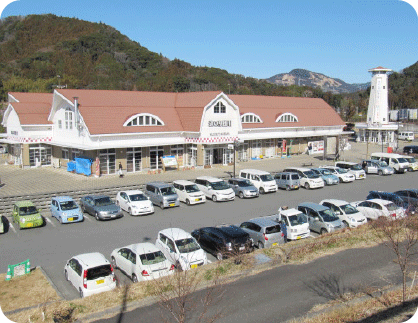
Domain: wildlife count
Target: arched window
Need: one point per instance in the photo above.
(219, 108)
(143, 119)
(287, 117)
(250, 118)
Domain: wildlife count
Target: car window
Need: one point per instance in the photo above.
(103, 201)
(273, 229)
(99, 271)
(163, 238)
(376, 206)
(296, 219)
(27, 210)
(391, 206)
(152, 258)
(187, 245)
(191, 188)
(137, 197)
(170, 245)
(124, 253)
(132, 257)
(68, 205)
(349, 209)
(167, 191)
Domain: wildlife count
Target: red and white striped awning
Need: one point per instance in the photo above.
(28, 140)
(211, 140)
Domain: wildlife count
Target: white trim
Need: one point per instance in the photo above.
(286, 114)
(145, 114)
(251, 114)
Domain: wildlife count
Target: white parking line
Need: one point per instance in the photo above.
(12, 227)
(50, 222)
(87, 218)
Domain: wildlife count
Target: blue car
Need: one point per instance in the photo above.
(328, 177)
(65, 209)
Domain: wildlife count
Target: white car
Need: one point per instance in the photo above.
(181, 248)
(297, 225)
(90, 273)
(134, 202)
(343, 175)
(215, 188)
(141, 261)
(374, 208)
(353, 168)
(188, 192)
(307, 178)
(348, 214)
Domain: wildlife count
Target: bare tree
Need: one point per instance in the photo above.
(401, 236)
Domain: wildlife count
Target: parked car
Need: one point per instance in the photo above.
(260, 179)
(162, 194)
(188, 192)
(215, 188)
(398, 200)
(343, 175)
(65, 209)
(223, 241)
(375, 208)
(410, 196)
(377, 167)
(411, 149)
(348, 214)
(26, 215)
(398, 162)
(90, 273)
(413, 164)
(101, 207)
(181, 248)
(320, 218)
(264, 232)
(308, 179)
(243, 187)
(141, 261)
(1, 224)
(297, 225)
(328, 177)
(407, 136)
(287, 180)
(134, 202)
(353, 168)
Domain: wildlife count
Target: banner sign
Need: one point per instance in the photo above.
(20, 269)
(316, 147)
(169, 161)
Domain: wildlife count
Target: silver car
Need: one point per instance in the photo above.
(321, 219)
(243, 187)
(101, 207)
(328, 177)
(377, 167)
(287, 180)
(264, 232)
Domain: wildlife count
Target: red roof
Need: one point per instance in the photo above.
(32, 108)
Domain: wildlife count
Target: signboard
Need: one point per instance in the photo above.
(18, 269)
(169, 161)
(315, 147)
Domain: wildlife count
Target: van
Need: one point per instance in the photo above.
(353, 168)
(413, 165)
(397, 162)
(407, 136)
(215, 188)
(296, 223)
(162, 194)
(264, 181)
(287, 180)
(308, 179)
(188, 192)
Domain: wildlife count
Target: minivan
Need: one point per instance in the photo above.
(353, 168)
(215, 188)
(398, 162)
(408, 136)
(297, 225)
(243, 187)
(264, 232)
(287, 180)
(320, 218)
(162, 194)
(413, 165)
(377, 167)
(308, 179)
(260, 179)
(188, 192)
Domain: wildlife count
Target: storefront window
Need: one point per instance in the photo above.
(39, 155)
(134, 159)
(178, 151)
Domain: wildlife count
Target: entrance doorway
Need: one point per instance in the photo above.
(107, 161)
(217, 156)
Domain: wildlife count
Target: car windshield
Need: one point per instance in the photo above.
(68, 205)
(341, 170)
(328, 215)
(97, 272)
(103, 201)
(325, 172)
(402, 160)
(311, 174)
(273, 229)
(382, 164)
(27, 210)
(221, 185)
(411, 160)
(297, 219)
(266, 178)
(356, 167)
(349, 209)
(187, 245)
(391, 206)
(191, 188)
(244, 183)
(295, 176)
(137, 197)
(152, 258)
(167, 190)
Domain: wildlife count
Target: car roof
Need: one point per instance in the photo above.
(62, 198)
(263, 222)
(289, 212)
(175, 233)
(159, 184)
(92, 259)
(229, 230)
(301, 169)
(24, 203)
(95, 197)
(254, 171)
(142, 248)
(291, 173)
(314, 206)
(132, 192)
(210, 178)
(379, 201)
(183, 182)
(408, 190)
(336, 202)
(346, 162)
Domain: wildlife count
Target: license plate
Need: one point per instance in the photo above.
(241, 248)
(296, 186)
(361, 176)
(274, 244)
(29, 225)
(193, 266)
(172, 204)
(196, 200)
(101, 281)
(298, 238)
(70, 219)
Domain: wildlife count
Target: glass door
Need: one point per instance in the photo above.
(155, 154)
(134, 159)
(256, 148)
(107, 161)
(192, 155)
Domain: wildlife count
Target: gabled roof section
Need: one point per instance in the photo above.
(32, 108)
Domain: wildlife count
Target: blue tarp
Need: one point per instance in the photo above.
(83, 166)
(71, 166)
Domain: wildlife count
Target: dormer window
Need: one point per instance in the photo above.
(219, 108)
(250, 118)
(287, 117)
(143, 119)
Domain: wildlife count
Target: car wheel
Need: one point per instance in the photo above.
(97, 216)
(81, 293)
(307, 186)
(83, 210)
(113, 260)
(214, 198)
(241, 195)
(345, 224)
(380, 172)
(178, 266)
(341, 180)
(117, 202)
(134, 278)
(130, 211)
(66, 275)
(260, 245)
(219, 256)
(262, 190)
(287, 188)
(323, 231)
(187, 201)
(162, 206)
(60, 220)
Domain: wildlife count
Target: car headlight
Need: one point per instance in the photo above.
(134, 206)
(352, 219)
(329, 225)
(229, 246)
(293, 230)
(23, 220)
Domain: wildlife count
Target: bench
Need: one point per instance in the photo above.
(306, 164)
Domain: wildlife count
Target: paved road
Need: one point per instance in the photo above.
(290, 291)
(51, 246)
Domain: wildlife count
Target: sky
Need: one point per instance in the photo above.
(258, 38)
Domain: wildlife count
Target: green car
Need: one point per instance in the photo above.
(26, 215)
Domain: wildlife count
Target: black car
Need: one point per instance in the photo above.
(410, 196)
(223, 241)
(388, 196)
(410, 149)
